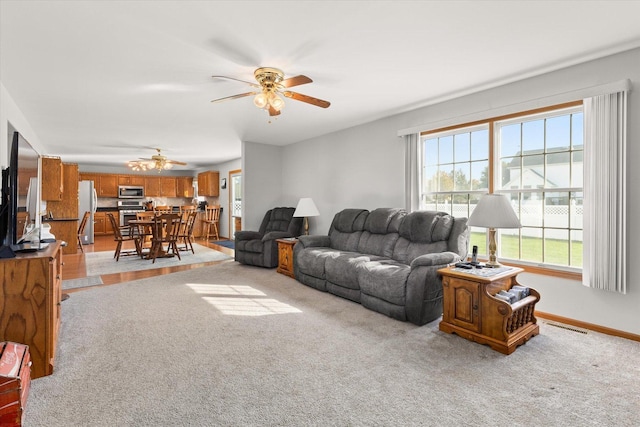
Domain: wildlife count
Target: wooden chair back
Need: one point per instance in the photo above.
(81, 227)
(163, 209)
(212, 213)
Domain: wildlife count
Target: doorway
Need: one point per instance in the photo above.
(235, 202)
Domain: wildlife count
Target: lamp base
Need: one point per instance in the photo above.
(494, 264)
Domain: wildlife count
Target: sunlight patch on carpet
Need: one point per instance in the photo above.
(245, 300)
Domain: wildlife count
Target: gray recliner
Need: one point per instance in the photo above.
(260, 247)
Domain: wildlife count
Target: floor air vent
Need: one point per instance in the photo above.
(569, 328)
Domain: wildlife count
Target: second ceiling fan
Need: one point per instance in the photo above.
(271, 86)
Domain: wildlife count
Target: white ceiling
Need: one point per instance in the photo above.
(103, 82)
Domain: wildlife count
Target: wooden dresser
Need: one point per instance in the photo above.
(30, 304)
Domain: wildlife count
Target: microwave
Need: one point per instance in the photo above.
(130, 192)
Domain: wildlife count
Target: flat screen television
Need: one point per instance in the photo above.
(16, 182)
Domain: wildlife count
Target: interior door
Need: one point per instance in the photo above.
(235, 202)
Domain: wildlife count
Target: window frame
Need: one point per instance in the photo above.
(494, 172)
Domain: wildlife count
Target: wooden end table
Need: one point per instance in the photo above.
(471, 311)
(285, 256)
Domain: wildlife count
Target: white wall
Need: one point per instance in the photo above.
(262, 182)
(364, 167)
(10, 114)
(223, 198)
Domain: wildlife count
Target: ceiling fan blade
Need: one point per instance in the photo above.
(273, 111)
(296, 81)
(253, 84)
(308, 99)
(175, 162)
(241, 95)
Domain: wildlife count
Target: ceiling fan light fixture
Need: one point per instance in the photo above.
(276, 102)
(261, 100)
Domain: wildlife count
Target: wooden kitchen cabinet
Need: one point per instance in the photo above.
(108, 186)
(131, 180)
(209, 183)
(184, 186)
(168, 187)
(52, 178)
(30, 304)
(152, 186)
(100, 223)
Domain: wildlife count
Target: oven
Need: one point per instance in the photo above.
(128, 210)
(127, 215)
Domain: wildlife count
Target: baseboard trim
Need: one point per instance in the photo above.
(589, 326)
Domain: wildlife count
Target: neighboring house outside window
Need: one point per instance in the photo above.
(535, 158)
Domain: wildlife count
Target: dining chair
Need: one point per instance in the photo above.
(163, 209)
(81, 227)
(121, 238)
(211, 219)
(186, 232)
(166, 228)
(144, 230)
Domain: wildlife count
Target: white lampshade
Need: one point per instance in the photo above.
(494, 211)
(306, 208)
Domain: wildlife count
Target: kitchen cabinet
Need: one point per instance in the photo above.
(152, 186)
(184, 187)
(156, 186)
(65, 211)
(30, 304)
(52, 178)
(100, 223)
(108, 186)
(131, 180)
(209, 183)
(168, 187)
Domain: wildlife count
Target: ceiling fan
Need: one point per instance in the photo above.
(271, 87)
(157, 161)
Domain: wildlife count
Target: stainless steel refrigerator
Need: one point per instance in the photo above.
(87, 201)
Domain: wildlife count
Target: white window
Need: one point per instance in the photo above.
(534, 158)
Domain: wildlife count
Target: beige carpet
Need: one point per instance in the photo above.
(232, 345)
(99, 263)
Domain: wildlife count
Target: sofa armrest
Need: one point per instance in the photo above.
(248, 235)
(315, 241)
(273, 235)
(437, 259)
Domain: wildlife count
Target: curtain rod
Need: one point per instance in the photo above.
(574, 95)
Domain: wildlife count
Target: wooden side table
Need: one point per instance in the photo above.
(471, 311)
(285, 256)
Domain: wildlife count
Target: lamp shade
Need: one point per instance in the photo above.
(494, 211)
(306, 208)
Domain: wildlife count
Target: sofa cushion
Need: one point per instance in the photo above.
(426, 226)
(384, 279)
(381, 231)
(346, 229)
(311, 261)
(342, 269)
(279, 219)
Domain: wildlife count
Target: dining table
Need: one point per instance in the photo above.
(146, 230)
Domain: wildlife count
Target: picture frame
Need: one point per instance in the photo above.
(223, 183)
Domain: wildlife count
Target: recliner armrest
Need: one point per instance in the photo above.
(272, 235)
(439, 258)
(248, 235)
(314, 241)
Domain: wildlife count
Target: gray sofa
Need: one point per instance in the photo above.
(385, 259)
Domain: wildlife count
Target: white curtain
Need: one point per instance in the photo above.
(605, 230)
(412, 169)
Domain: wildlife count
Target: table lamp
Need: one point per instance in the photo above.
(493, 211)
(306, 208)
